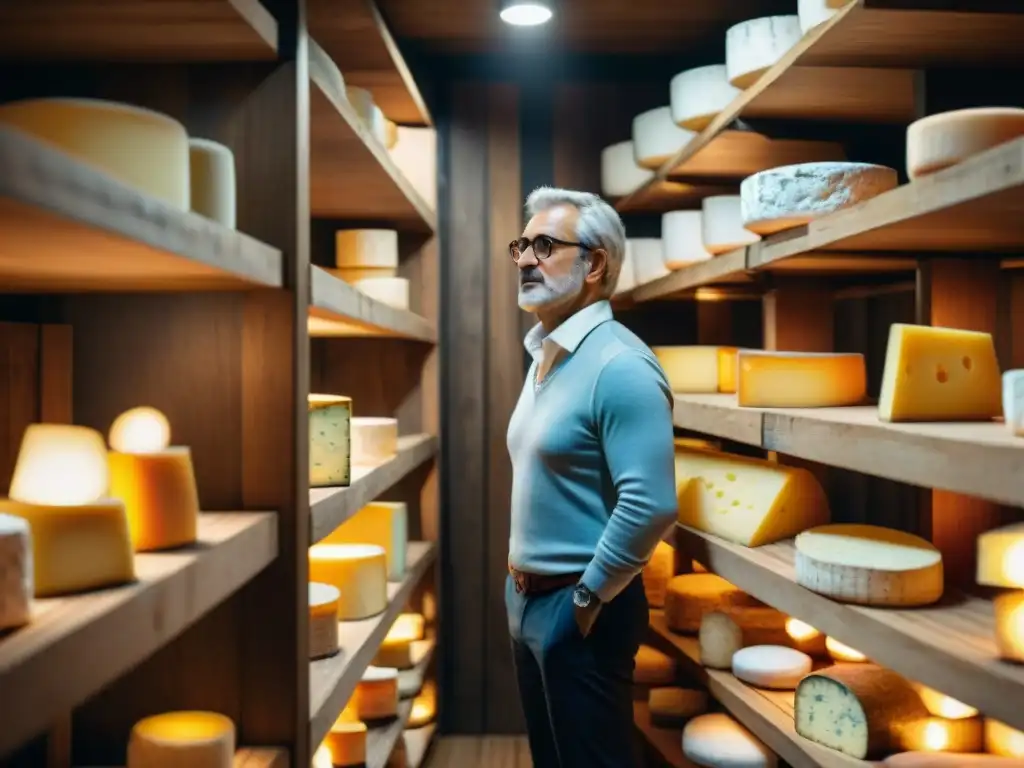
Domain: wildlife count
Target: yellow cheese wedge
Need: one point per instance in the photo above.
(939, 374)
(383, 524)
(800, 379)
(359, 571)
(690, 369)
(174, 739)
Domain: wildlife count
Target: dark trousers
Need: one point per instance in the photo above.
(576, 692)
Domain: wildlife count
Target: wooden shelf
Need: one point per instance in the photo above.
(330, 507)
(667, 742)
(734, 155)
(332, 680)
(261, 758)
(77, 645)
(381, 740)
(138, 30)
(338, 309)
(766, 714)
(417, 745)
(729, 268)
(68, 227)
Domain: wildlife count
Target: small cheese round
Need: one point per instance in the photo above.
(682, 236)
(722, 227)
(346, 742)
(620, 175)
(939, 141)
(323, 620)
(648, 257)
(656, 137)
(718, 741)
(691, 595)
(652, 667)
(16, 583)
(376, 694)
(174, 739)
(814, 12)
(672, 707)
(359, 571)
(366, 249)
(392, 291)
(212, 181)
(771, 666)
(725, 631)
(374, 440)
(657, 572)
(753, 46)
(698, 95)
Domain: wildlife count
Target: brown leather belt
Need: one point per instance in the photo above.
(538, 584)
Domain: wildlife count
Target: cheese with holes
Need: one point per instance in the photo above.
(212, 181)
(672, 707)
(1001, 739)
(376, 694)
(746, 500)
(814, 12)
(922, 759)
(141, 148)
(359, 571)
(627, 273)
(939, 141)
(800, 379)
(698, 95)
(648, 257)
(722, 227)
(941, 705)
(793, 195)
(323, 620)
(869, 565)
(939, 374)
(362, 102)
(366, 249)
(175, 739)
(620, 175)
(16, 584)
(689, 369)
(346, 743)
(415, 154)
(682, 237)
(1001, 557)
(659, 569)
(753, 46)
(728, 369)
(938, 734)
(656, 137)
(393, 291)
(692, 595)
(775, 667)
(1013, 401)
(861, 710)
(330, 440)
(397, 648)
(725, 631)
(718, 741)
(806, 638)
(374, 440)
(652, 667)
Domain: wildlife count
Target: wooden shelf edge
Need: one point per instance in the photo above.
(667, 742)
(261, 757)
(330, 507)
(382, 740)
(401, 68)
(417, 744)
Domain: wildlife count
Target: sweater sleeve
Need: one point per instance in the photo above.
(632, 407)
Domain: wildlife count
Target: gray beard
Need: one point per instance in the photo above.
(552, 292)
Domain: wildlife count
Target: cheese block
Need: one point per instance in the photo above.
(692, 595)
(330, 440)
(657, 138)
(939, 374)
(814, 12)
(753, 46)
(366, 249)
(922, 759)
(689, 369)
(941, 705)
(862, 710)
(415, 154)
(774, 667)
(626, 280)
(800, 379)
(806, 638)
(939, 141)
(718, 741)
(1001, 557)
(793, 195)
(393, 291)
(698, 95)
(346, 743)
(1001, 739)
(938, 734)
(374, 440)
(138, 147)
(1009, 616)
(728, 369)
(323, 620)
(376, 694)
(682, 239)
(841, 652)
(869, 565)
(672, 707)
(359, 572)
(620, 175)
(16, 584)
(725, 631)
(648, 257)
(659, 569)
(1013, 401)
(362, 102)
(746, 500)
(175, 739)
(212, 181)
(397, 648)
(722, 227)
(652, 667)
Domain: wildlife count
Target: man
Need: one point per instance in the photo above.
(593, 487)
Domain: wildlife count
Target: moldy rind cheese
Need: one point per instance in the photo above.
(692, 595)
(722, 227)
(330, 440)
(940, 141)
(698, 95)
(656, 137)
(800, 379)
(753, 46)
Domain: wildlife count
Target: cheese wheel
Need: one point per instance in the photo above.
(362, 102)
(424, 707)
(359, 571)
(806, 638)
(626, 280)
(949, 760)
(936, 733)
(212, 181)
(842, 652)
(330, 440)
(1013, 401)
(689, 369)
(657, 138)
(793, 195)
(393, 291)
(366, 248)
(396, 649)
(1009, 618)
(656, 573)
(346, 743)
(672, 707)
(718, 741)
(692, 595)
(941, 705)
(648, 257)
(374, 440)
(175, 739)
(652, 667)
(698, 95)
(814, 12)
(1002, 740)
(939, 141)
(753, 46)
(16, 583)
(620, 175)
(376, 694)
(771, 666)
(800, 379)
(728, 369)
(722, 227)
(383, 524)
(725, 631)
(869, 565)
(415, 154)
(682, 237)
(138, 147)
(1001, 557)
(323, 620)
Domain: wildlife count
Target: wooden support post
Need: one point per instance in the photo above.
(798, 317)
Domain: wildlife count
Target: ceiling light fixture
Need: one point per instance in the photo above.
(525, 13)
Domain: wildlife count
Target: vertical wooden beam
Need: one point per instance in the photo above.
(798, 317)
(714, 322)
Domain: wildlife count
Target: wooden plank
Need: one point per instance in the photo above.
(261, 758)
(417, 745)
(717, 415)
(41, 669)
(728, 268)
(667, 742)
(55, 374)
(338, 309)
(381, 740)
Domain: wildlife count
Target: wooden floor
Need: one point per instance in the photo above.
(482, 752)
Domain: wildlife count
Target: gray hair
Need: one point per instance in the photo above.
(598, 226)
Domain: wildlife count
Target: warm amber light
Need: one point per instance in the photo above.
(140, 430)
(1009, 610)
(799, 631)
(60, 465)
(1013, 564)
(322, 758)
(935, 737)
(941, 705)
(1001, 739)
(841, 652)
(407, 627)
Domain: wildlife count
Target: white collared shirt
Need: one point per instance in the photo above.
(546, 348)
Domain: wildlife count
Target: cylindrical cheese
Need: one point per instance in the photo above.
(814, 12)
(648, 257)
(806, 638)
(393, 291)
(682, 238)
(672, 707)
(376, 695)
(346, 743)
(138, 147)
(374, 440)
(941, 705)
(718, 740)
(657, 572)
(383, 523)
(627, 273)
(722, 227)
(938, 734)
(323, 620)
(692, 595)
(753, 46)
(939, 141)
(728, 629)
(652, 667)
(212, 181)
(396, 649)
(366, 248)
(620, 175)
(359, 571)
(1009, 614)
(176, 739)
(656, 137)
(1013, 401)
(771, 666)
(16, 582)
(160, 497)
(698, 95)
(330, 440)
(800, 379)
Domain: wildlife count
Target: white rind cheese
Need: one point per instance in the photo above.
(939, 141)
(212, 176)
(627, 273)
(752, 47)
(718, 741)
(393, 291)
(698, 95)
(1013, 401)
(771, 666)
(656, 137)
(374, 440)
(793, 195)
(648, 257)
(16, 585)
(620, 175)
(330, 440)
(366, 248)
(725, 631)
(682, 237)
(176, 739)
(814, 12)
(722, 227)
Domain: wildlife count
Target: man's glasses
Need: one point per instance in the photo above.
(542, 246)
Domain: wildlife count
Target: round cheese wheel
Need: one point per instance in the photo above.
(648, 257)
(627, 273)
(753, 46)
(393, 291)
(323, 620)
(212, 181)
(682, 238)
(374, 440)
(174, 739)
(698, 95)
(359, 571)
(346, 743)
(771, 666)
(366, 249)
(939, 141)
(814, 12)
(691, 595)
(652, 667)
(376, 694)
(656, 137)
(620, 174)
(718, 741)
(671, 707)
(722, 227)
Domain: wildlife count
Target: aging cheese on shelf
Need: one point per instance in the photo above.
(1013, 401)
(939, 141)
(806, 638)
(690, 369)
(415, 154)
(323, 620)
(862, 710)
(800, 379)
(175, 739)
(869, 565)
(652, 667)
(393, 291)
(424, 707)
(212, 181)
(627, 273)
(941, 705)
(672, 707)
(793, 195)
(648, 257)
(1001, 557)
(728, 629)
(659, 569)
(138, 147)
(771, 666)
(374, 440)
(366, 249)
(937, 733)
(1001, 739)
(1009, 615)
(656, 137)
(376, 694)
(728, 369)
(359, 571)
(692, 595)
(753, 46)
(330, 440)
(698, 95)
(346, 742)
(682, 238)
(722, 227)
(842, 652)
(718, 741)
(620, 175)
(939, 374)
(16, 584)
(397, 648)
(814, 12)
(383, 524)
(746, 500)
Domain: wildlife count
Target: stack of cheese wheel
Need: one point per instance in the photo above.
(374, 440)
(940, 141)
(330, 440)
(397, 650)
(212, 181)
(415, 154)
(692, 595)
(383, 524)
(752, 47)
(201, 739)
(815, 12)
(620, 175)
(672, 707)
(722, 225)
(682, 238)
(657, 572)
(376, 694)
(730, 628)
(698, 95)
(359, 571)
(16, 582)
(323, 620)
(801, 379)
(717, 740)
(648, 257)
(368, 258)
(656, 137)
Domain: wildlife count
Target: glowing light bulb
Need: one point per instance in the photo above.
(525, 14)
(798, 630)
(140, 430)
(60, 465)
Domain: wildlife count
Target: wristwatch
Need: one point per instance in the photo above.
(582, 597)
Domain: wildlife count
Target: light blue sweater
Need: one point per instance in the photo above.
(593, 472)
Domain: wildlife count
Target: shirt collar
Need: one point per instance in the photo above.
(570, 333)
